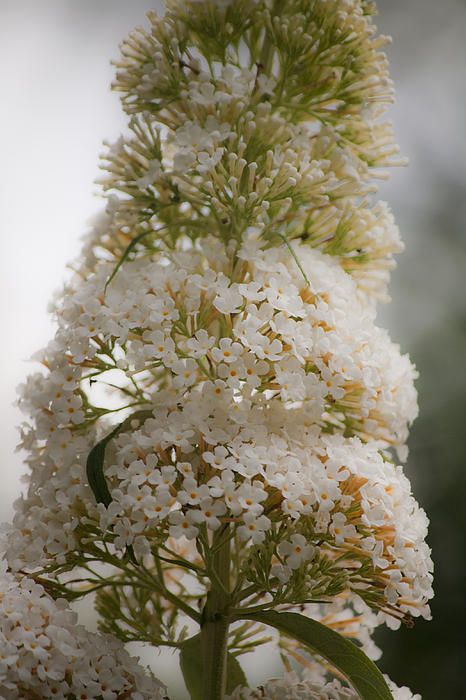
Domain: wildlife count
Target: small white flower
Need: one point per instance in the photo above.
(228, 299)
(70, 410)
(327, 492)
(200, 344)
(252, 291)
(284, 296)
(340, 529)
(254, 369)
(297, 550)
(254, 528)
(123, 530)
(163, 476)
(227, 351)
(153, 171)
(186, 372)
(250, 497)
(232, 373)
(208, 512)
(180, 526)
(192, 493)
(159, 345)
(220, 458)
(267, 349)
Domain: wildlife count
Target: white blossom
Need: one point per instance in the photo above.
(45, 653)
(296, 551)
(314, 687)
(217, 349)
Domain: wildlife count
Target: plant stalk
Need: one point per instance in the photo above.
(215, 623)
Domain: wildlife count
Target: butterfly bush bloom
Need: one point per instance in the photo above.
(312, 688)
(217, 377)
(248, 427)
(45, 654)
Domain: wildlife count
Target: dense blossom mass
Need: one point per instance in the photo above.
(243, 394)
(45, 654)
(217, 370)
(314, 687)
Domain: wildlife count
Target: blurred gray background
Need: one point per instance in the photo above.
(56, 110)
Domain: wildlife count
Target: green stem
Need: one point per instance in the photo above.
(178, 602)
(215, 623)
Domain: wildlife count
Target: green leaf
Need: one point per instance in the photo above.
(343, 654)
(95, 460)
(191, 667)
(95, 468)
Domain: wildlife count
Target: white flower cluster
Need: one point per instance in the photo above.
(218, 343)
(247, 386)
(45, 654)
(356, 502)
(313, 688)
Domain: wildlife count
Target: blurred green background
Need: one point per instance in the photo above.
(428, 316)
(57, 109)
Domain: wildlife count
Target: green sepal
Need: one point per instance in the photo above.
(191, 668)
(340, 652)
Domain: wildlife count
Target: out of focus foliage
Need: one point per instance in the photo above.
(428, 59)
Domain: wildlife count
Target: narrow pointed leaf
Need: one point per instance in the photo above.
(343, 654)
(95, 468)
(96, 458)
(191, 667)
